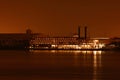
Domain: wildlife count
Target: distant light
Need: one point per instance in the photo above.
(96, 41)
(53, 45)
(100, 38)
(94, 52)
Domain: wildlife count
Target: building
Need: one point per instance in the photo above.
(16, 40)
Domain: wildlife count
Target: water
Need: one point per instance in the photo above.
(59, 65)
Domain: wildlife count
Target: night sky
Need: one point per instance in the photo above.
(61, 17)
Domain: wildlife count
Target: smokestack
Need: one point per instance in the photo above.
(79, 32)
(85, 32)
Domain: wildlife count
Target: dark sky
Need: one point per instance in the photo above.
(61, 16)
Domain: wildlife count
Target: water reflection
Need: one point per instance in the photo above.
(89, 62)
(96, 64)
(90, 58)
(59, 65)
(96, 59)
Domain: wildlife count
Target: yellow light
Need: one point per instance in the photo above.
(53, 45)
(94, 52)
(95, 41)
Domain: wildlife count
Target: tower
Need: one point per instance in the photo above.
(85, 31)
(79, 32)
(28, 31)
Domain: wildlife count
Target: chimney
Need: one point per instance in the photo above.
(85, 32)
(79, 32)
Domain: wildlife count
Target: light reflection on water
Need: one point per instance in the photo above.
(96, 63)
(59, 65)
(90, 58)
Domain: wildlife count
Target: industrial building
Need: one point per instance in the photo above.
(79, 42)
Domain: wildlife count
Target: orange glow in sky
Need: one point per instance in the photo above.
(61, 16)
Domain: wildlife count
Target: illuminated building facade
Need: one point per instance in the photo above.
(67, 43)
(78, 42)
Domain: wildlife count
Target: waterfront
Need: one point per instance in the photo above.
(59, 65)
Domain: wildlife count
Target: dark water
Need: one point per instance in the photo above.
(59, 65)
